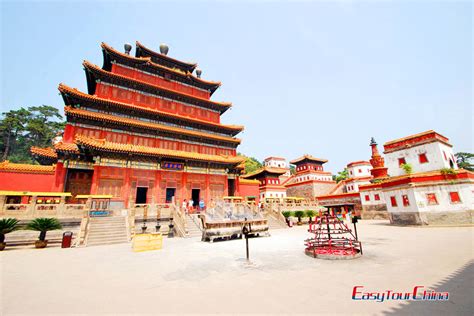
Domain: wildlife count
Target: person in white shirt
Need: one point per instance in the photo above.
(185, 206)
(190, 205)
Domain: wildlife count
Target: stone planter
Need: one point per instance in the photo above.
(41, 244)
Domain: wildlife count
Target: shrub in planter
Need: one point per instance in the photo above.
(43, 225)
(7, 225)
(300, 215)
(287, 215)
(310, 214)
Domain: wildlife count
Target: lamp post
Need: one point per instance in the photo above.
(354, 221)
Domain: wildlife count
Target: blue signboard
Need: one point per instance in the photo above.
(172, 165)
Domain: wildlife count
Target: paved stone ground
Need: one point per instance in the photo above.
(189, 276)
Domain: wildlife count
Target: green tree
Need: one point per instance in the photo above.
(12, 126)
(43, 125)
(464, 160)
(292, 169)
(251, 164)
(341, 175)
(23, 128)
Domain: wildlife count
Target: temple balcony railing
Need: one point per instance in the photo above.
(32, 210)
(164, 214)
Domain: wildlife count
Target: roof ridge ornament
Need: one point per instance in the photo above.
(127, 48)
(164, 49)
(198, 72)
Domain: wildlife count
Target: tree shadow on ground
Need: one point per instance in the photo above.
(459, 284)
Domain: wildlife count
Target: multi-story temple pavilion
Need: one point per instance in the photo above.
(146, 131)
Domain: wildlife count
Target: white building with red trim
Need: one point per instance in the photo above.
(430, 198)
(425, 152)
(436, 192)
(358, 174)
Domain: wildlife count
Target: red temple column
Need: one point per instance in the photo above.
(59, 178)
(184, 189)
(226, 186)
(237, 186)
(68, 135)
(208, 189)
(95, 180)
(126, 187)
(156, 188)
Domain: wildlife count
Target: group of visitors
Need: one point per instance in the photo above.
(189, 207)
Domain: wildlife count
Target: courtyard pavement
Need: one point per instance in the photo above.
(192, 277)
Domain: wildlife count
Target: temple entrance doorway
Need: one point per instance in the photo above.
(231, 187)
(141, 195)
(78, 181)
(170, 192)
(195, 196)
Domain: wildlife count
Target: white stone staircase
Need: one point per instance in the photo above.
(193, 225)
(273, 223)
(106, 231)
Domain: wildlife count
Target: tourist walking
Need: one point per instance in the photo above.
(201, 205)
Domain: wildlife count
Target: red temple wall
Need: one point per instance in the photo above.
(154, 102)
(123, 138)
(122, 183)
(35, 182)
(248, 189)
(158, 81)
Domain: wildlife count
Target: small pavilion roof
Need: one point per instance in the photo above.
(109, 118)
(94, 72)
(308, 157)
(106, 146)
(68, 91)
(262, 171)
(47, 152)
(142, 51)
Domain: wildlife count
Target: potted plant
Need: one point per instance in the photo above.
(7, 225)
(310, 214)
(43, 225)
(287, 215)
(407, 168)
(299, 215)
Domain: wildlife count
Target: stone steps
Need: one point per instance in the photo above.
(106, 231)
(275, 224)
(194, 230)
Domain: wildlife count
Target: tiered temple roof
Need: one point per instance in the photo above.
(118, 122)
(146, 64)
(142, 51)
(94, 73)
(101, 145)
(92, 112)
(74, 97)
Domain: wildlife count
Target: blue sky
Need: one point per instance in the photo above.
(316, 78)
